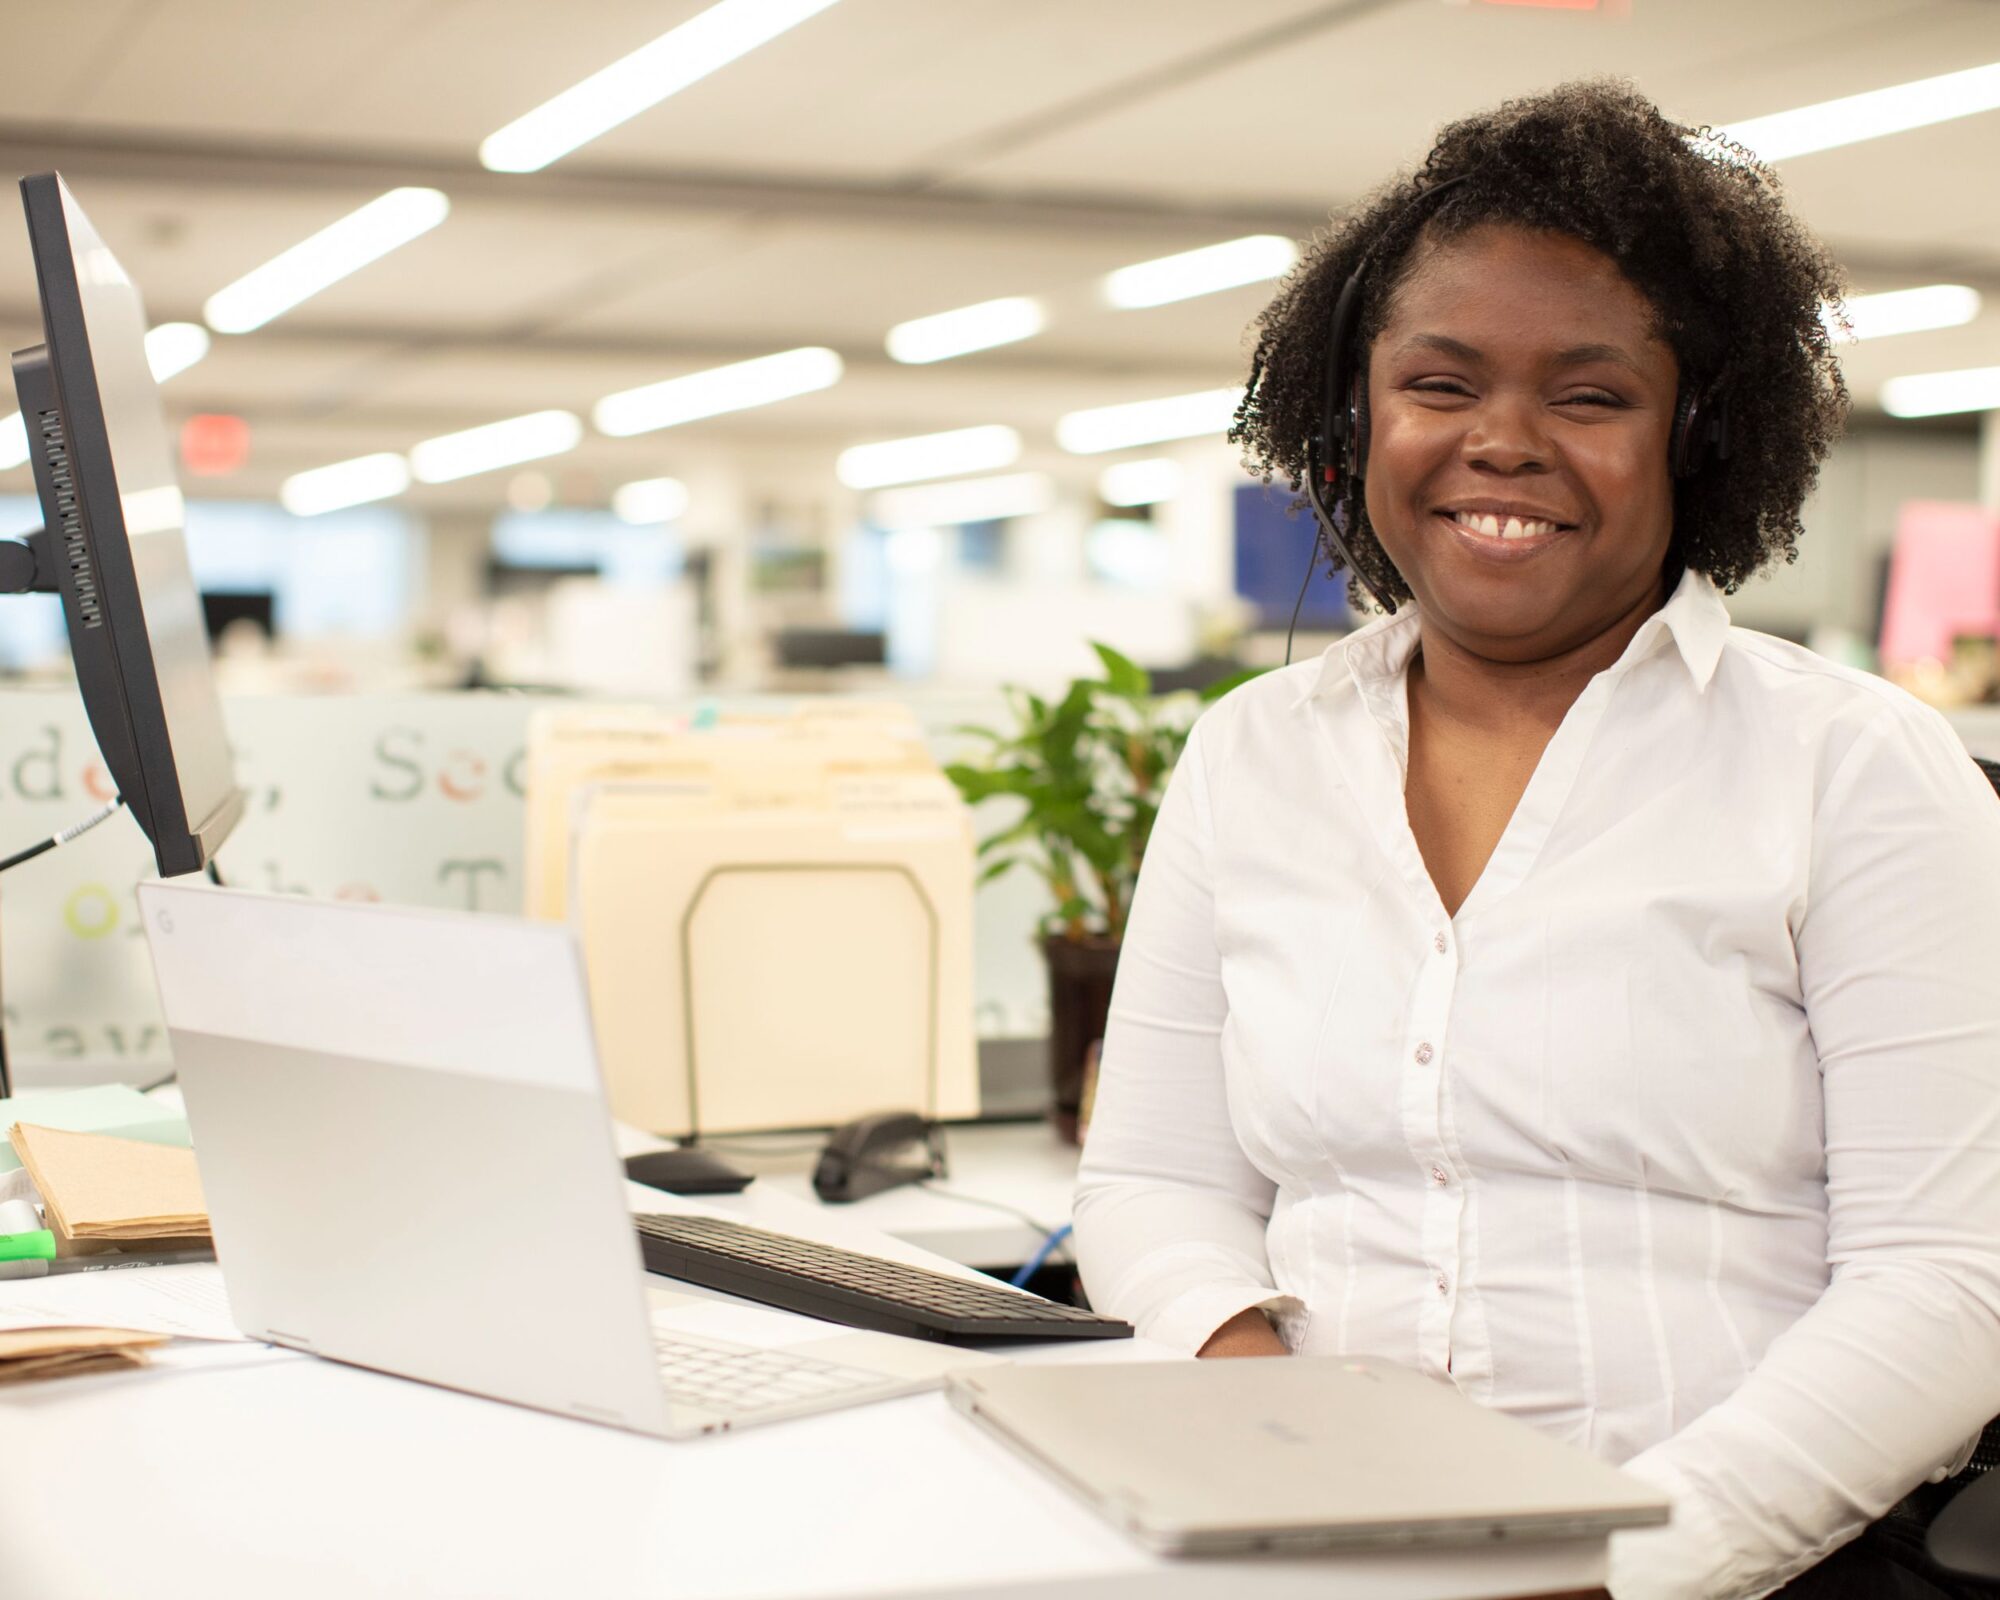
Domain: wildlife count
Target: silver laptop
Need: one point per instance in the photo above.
(409, 1166)
(1305, 1453)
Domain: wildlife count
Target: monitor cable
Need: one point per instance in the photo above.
(29, 854)
(76, 830)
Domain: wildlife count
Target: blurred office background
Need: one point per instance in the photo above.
(889, 355)
(806, 206)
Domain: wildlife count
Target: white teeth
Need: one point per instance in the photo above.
(1495, 527)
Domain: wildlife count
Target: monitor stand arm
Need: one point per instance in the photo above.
(29, 565)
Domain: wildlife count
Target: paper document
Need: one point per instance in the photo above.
(27, 1354)
(182, 1302)
(97, 1187)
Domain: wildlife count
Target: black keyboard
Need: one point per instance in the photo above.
(860, 1291)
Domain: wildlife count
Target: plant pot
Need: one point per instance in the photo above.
(1080, 974)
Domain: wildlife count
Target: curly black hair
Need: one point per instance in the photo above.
(1695, 223)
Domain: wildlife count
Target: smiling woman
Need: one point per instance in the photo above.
(1726, 280)
(1553, 987)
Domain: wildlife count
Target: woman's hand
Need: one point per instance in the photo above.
(1248, 1333)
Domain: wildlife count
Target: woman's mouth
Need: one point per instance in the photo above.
(1506, 535)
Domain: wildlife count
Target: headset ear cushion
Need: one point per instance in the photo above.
(1357, 428)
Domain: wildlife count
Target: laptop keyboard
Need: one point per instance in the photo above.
(743, 1378)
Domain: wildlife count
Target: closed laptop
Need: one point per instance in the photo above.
(1311, 1452)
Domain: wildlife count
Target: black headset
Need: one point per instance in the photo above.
(1337, 457)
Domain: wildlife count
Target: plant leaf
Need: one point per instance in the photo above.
(1122, 674)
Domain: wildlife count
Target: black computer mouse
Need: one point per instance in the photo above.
(876, 1153)
(686, 1170)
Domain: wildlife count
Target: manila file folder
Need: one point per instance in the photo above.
(739, 760)
(796, 961)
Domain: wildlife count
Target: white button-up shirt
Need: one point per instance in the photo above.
(1681, 1140)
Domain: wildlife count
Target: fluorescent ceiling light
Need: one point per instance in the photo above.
(1933, 394)
(328, 256)
(643, 79)
(173, 347)
(929, 455)
(720, 389)
(1856, 117)
(943, 505)
(497, 444)
(1181, 416)
(1878, 316)
(650, 500)
(13, 442)
(957, 333)
(1204, 271)
(1139, 483)
(345, 483)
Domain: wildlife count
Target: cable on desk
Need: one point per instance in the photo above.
(992, 1205)
(73, 831)
(1040, 1257)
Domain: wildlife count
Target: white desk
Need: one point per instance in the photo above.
(285, 1476)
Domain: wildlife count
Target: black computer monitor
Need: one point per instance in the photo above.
(222, 609)
(112, 541)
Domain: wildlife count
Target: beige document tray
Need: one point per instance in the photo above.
(737, 761)
(780, 967)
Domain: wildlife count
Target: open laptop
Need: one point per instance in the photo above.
(409, 1166)
(1305, 1453)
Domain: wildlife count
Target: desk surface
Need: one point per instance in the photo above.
(253, 1473)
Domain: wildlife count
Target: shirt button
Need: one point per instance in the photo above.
(1438, 1175)
(1439, 943)
(1423, 1055)
(1444, 1287)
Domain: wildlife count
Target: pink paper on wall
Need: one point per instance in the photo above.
(1944, 580)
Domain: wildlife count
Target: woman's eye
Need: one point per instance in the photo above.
(1592, 399)
(1440, 386)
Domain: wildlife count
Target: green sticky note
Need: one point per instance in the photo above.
(113, 1108)
(37, 1246)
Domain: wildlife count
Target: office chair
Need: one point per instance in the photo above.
(1964, 1538)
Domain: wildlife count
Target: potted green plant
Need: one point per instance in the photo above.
(1087, 771)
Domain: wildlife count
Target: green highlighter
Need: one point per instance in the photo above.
(26, 1248)
(37, 1246)
(26, 1255)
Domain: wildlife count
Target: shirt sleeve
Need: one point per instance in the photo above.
(1878, 1385)
(1170, 1214)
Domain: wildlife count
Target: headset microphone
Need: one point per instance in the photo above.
(1339, 454)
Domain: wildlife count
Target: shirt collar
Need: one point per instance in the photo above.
(1694, 619)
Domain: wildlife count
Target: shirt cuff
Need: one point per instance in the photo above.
(1691, 1558)
(1186, 1322)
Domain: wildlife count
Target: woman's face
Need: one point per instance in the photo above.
(1520, 405)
